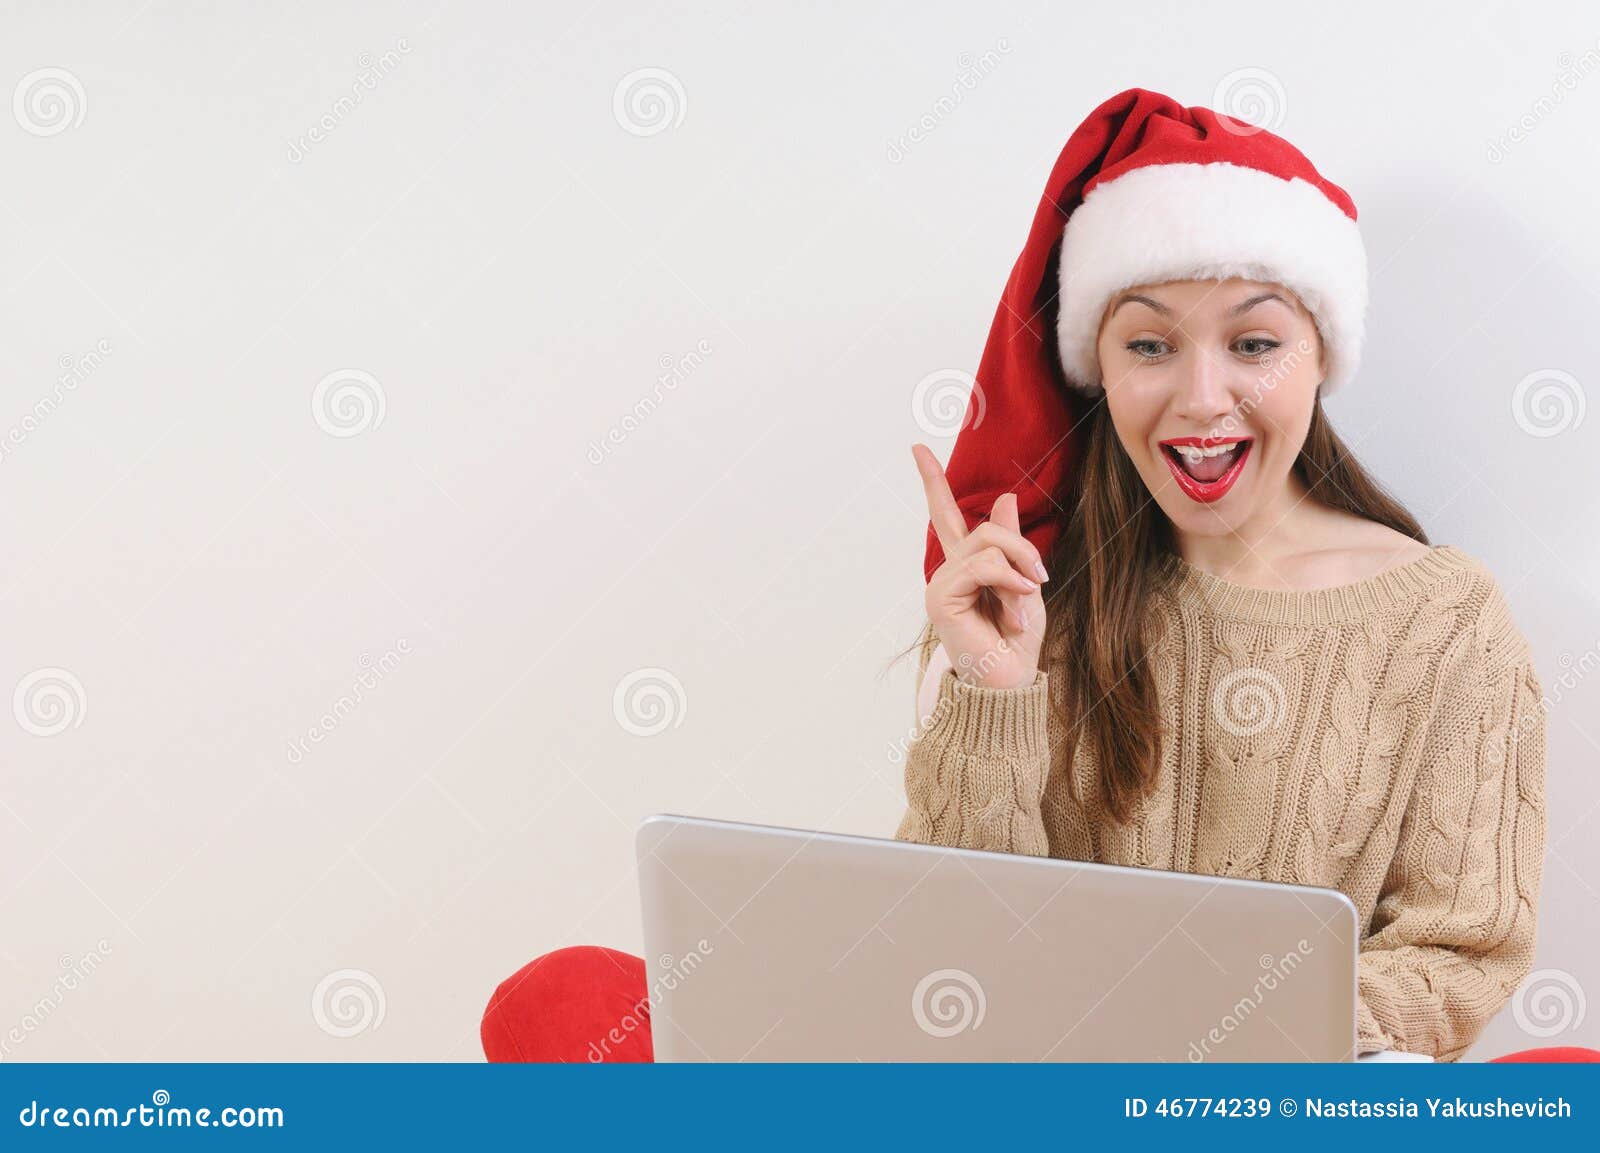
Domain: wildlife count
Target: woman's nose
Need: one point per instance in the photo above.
(1204, 391)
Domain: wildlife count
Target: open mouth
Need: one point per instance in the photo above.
(1205, 469)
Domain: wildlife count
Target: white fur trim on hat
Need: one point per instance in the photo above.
(1211, 222)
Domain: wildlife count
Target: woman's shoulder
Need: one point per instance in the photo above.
(1460, 612)
(1485, 621)
(1359, 549)
(1375, 551)
(1457, 583)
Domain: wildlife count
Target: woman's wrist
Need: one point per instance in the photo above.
(998, 682)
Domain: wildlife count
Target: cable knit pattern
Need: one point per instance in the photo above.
(1385, 738)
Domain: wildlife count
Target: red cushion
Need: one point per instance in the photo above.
(583, 1003)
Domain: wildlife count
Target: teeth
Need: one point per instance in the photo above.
(1194, 452)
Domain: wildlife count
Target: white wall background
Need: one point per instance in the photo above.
(482, 235)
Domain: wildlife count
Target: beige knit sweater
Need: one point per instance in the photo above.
(1384, 738)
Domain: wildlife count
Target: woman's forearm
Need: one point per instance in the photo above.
(976, 771)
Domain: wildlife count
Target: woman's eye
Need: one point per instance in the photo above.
(1257, 346)
(1149, 349)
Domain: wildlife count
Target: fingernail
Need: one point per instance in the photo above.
(1033, 588)
(1038, 567)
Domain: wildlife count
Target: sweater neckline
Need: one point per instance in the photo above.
(1316, 606)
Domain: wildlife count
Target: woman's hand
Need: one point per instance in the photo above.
(984, 600)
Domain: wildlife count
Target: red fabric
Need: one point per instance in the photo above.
(1019, 432)
(583, 1003)
(588, 1003)
(1552, 1053)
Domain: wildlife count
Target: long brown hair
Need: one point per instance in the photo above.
(1107, 565)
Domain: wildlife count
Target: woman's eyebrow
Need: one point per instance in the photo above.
(1242, 306)
(1133, 297)
(1247, 305)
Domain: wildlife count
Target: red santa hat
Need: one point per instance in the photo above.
(1145, 191)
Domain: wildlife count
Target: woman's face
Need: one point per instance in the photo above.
(1198, 367)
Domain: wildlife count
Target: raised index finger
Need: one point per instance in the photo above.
(948, 523)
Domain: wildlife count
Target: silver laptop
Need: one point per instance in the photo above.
(773, 944)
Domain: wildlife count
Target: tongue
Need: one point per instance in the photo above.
(1209, 468)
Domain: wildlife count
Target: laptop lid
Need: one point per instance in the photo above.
(777, 944)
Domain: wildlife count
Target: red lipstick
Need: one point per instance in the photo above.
(1205, 491)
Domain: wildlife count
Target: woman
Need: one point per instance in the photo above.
(1250, 661)
(1317, 697)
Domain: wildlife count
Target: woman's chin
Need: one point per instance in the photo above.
(1217, 517)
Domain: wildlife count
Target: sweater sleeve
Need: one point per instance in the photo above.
(975, 772)
(1452, 934)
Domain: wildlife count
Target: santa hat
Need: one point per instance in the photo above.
(1145, 191)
